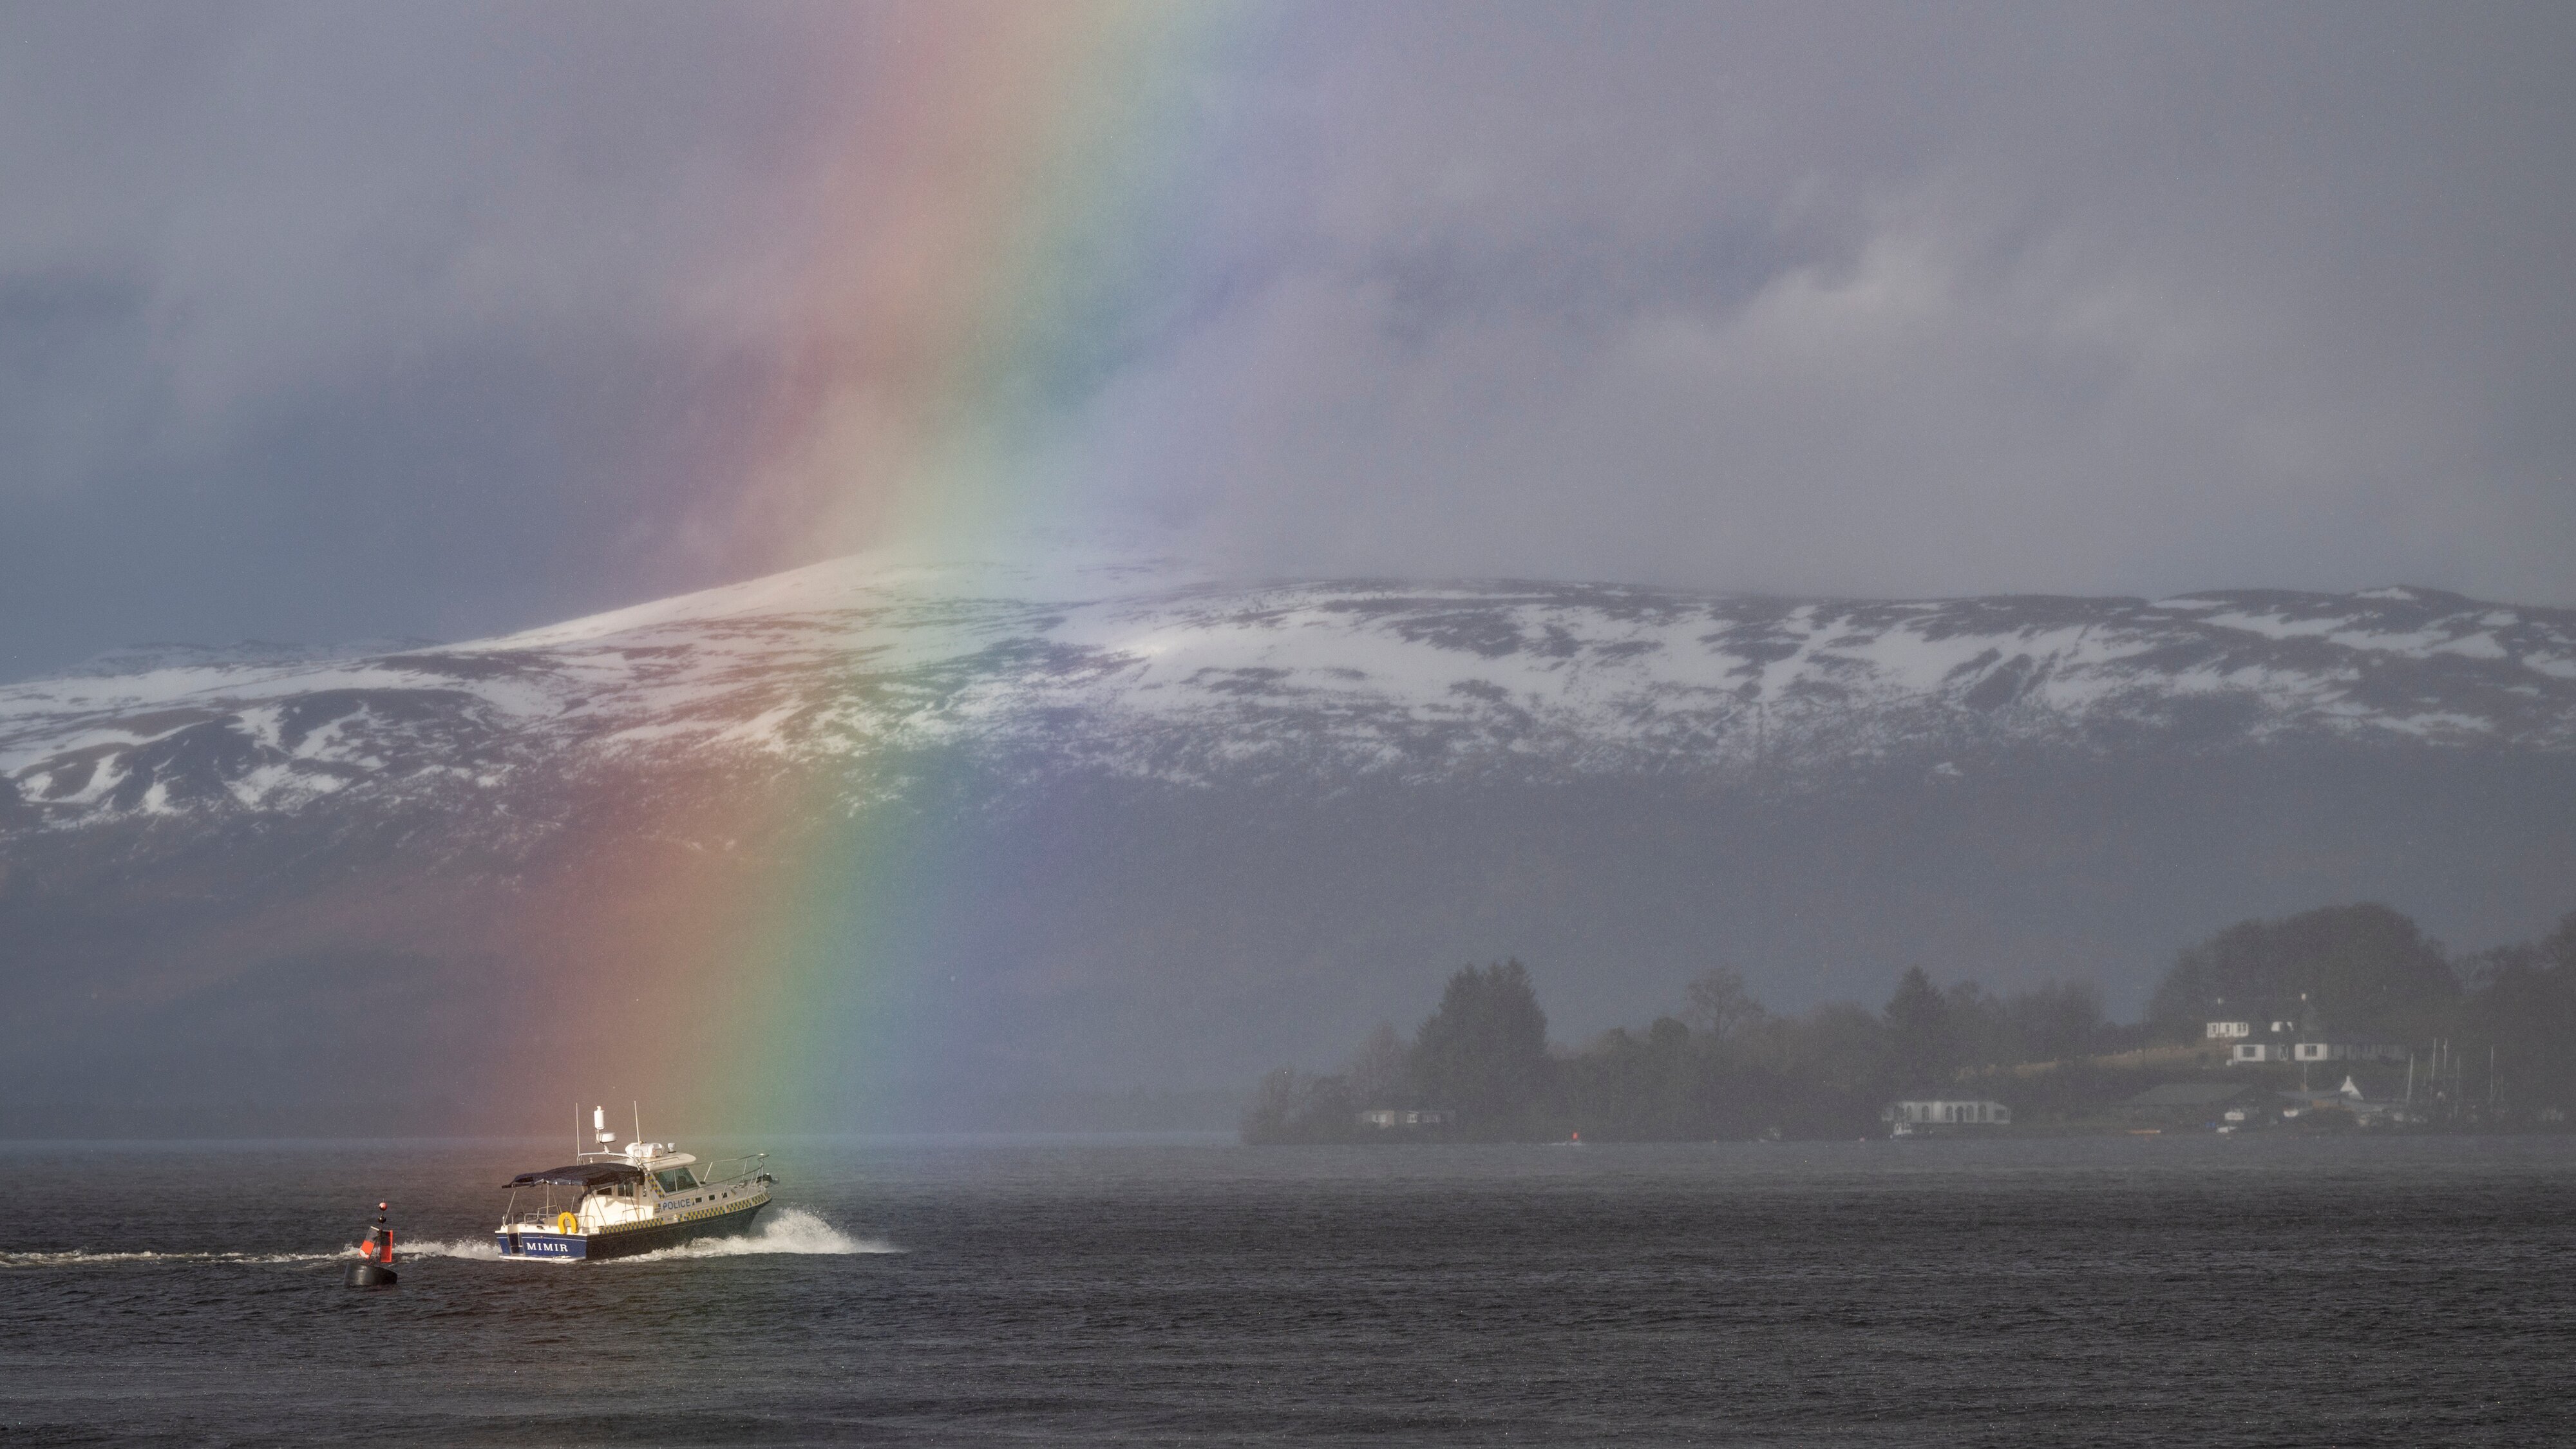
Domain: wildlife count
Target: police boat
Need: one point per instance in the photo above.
(642, 1199)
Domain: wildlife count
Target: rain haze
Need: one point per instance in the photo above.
(1236, 722)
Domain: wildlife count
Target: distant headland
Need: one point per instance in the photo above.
(2343, 1018)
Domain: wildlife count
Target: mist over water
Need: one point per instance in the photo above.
(1185, 1290)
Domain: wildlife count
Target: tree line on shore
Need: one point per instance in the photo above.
(1723, 1066)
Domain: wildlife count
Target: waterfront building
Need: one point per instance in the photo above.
(1947, 1112)
(1407, 1117)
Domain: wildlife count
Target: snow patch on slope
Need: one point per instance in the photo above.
(1147, 670)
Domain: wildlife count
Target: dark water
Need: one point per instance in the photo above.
(2206, 1291)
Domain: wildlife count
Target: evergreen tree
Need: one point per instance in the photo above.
(1921, 1046)
(1484, 1052)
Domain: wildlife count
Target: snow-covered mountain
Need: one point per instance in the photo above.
(1105, 826)
(849, 664)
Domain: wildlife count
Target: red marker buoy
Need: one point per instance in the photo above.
(375, 1265)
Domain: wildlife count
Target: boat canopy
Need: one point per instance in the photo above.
(584, 1174)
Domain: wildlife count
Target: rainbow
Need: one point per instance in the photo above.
(1006, 193)
(1007, 198)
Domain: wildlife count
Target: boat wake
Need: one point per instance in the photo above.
(794, 1230)
(83, 1257)
(460, 1248)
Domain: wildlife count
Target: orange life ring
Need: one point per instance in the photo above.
(567, 1224)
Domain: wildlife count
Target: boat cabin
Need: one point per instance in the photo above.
(608, 1204)
(646, 1182)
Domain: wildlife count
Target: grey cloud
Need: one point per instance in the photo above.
(1899, 300)
(432, 319)
(331, 320)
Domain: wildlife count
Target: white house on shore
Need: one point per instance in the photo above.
(2315, 1051)
(1947, 1112)
(2347, 1051)
(2292, 1039)
(1407, 1117)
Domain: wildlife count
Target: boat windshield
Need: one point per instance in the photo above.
(676, 1179)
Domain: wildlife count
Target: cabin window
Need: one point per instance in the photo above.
(676, 1179)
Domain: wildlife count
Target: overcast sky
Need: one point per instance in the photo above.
(335, 321)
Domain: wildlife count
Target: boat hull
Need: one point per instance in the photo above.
(627, 1241)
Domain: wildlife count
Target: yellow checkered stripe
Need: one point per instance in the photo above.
(741, 1205)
